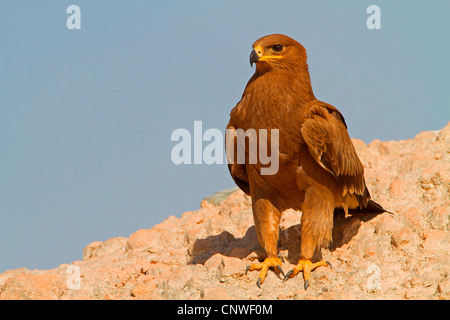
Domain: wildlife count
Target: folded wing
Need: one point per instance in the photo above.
(325, 133)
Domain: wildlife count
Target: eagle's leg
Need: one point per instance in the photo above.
(267, 220)
(316, 231)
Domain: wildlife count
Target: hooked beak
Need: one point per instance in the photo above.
(253, 57)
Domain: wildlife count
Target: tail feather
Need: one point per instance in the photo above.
(366, 204)
(371, 207)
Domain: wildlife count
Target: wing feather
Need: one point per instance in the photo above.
(238, 171)
(325, 133)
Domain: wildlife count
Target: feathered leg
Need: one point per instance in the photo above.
(315, 229)
(267, 221)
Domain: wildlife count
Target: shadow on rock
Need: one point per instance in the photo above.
(344, 229)
(225, 244)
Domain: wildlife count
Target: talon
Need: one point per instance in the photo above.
(306, 266)
(306, 284)
(288, 275)
(264, 267)
(247, 269)
(329, 264)
(280, 270)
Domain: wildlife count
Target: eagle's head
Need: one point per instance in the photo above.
(277, 52)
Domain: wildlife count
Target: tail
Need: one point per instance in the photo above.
(366, 204)
(371, 207)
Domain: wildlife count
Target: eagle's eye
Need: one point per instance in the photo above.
(277, 48)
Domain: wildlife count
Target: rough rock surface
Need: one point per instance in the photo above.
(204, 254)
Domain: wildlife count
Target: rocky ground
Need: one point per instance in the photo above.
(203, 254)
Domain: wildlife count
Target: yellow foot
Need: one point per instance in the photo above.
(264, 267)
(306, 266)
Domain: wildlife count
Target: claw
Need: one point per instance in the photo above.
(247, 269)
(306, 284)
(280, 270)
(264, 267)
(306, 266)
(329, 264)
(288, 275)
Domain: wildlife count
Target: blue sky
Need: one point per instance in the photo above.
(86, 115)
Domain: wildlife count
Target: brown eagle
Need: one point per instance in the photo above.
(318, 169)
